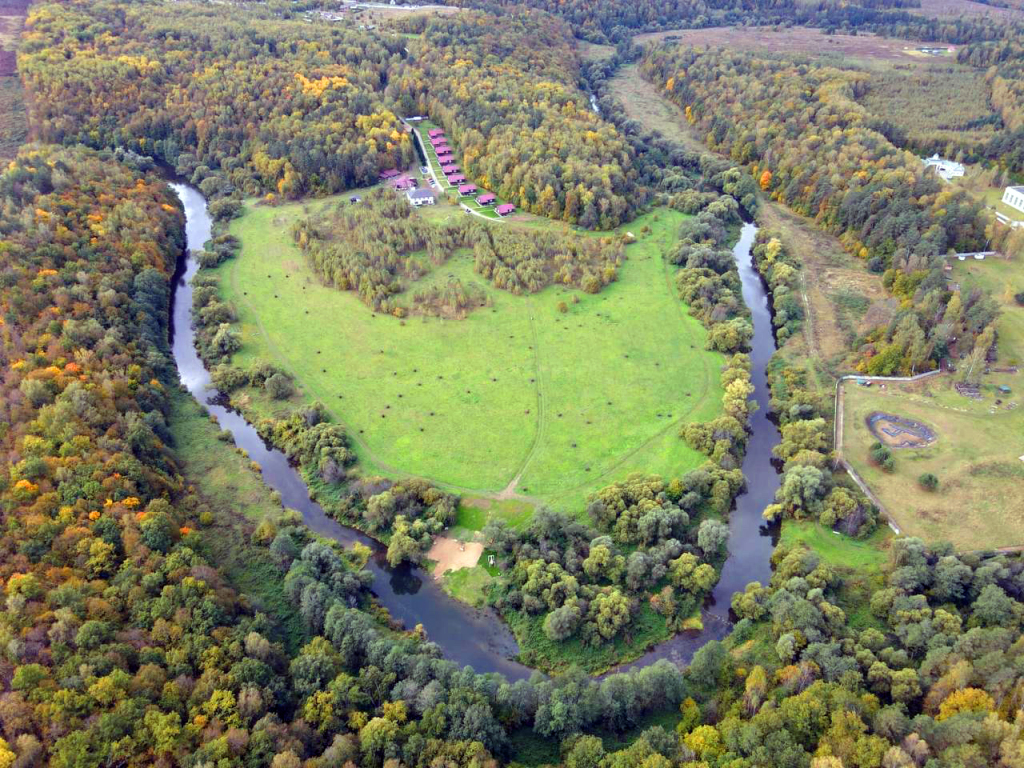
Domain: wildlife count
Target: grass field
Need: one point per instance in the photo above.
(642, 102)
(836, 550)
(978, 502)
(518, 401)
(239, 500)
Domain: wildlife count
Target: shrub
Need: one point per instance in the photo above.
(1019, 298)
(928, 481)
(882, 456)
(278, 386)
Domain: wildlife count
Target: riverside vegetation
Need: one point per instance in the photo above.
(134, 632)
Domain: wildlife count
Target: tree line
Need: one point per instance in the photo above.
(374, 247)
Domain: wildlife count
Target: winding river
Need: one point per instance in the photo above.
(467, 636)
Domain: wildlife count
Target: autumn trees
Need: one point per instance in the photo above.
(256, 101)
(505, 89)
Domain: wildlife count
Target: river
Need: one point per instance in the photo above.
(467, 636)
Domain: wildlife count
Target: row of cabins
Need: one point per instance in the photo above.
(446, 159)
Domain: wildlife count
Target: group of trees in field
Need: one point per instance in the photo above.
(781, 271)
(250, 99)
(375, 248)
(652, 549)
(708, 281)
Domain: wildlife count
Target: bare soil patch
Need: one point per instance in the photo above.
(454, 555)
(899, 432)
(813, 42)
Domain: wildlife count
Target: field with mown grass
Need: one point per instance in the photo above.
(521, 401)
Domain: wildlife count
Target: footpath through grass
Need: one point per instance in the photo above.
(520, 397)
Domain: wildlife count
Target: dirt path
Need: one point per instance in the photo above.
(454, 555)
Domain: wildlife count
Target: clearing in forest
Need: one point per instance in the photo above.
(976, 458)
(803, 40)
(543, 397)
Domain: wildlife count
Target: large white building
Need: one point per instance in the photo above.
(418, 197)
(946, 169)
(1014, 197)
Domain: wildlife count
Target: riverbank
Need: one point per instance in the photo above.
(479, 638)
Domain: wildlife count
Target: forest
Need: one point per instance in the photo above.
(124, 642)
(505, 88)
(616, 20)
(267, 101)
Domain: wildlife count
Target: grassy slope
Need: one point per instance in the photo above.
(238, 498)
(383, 377)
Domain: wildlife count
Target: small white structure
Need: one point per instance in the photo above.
(418, 197)
(1014, 197)
(946, 169)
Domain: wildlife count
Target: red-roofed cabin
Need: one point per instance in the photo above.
(443, 149)
(389, 174)
(486, 198)
(456, 178)
(438, 140)
(467, 189)
(450, 169)
(446, 158)
(404, 183)
(505, 210)
(435, 132)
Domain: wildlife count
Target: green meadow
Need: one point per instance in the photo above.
(520, 400)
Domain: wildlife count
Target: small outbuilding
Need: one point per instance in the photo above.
(505, 209)
(467, 189)
(392, 173)
(487, 198)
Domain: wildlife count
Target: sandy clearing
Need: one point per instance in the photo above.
(453, 555)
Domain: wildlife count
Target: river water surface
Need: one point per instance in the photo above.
(479, 638)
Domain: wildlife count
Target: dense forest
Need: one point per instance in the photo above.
(264, 100)
(505, 90)
(272, 104)
(616, 20)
